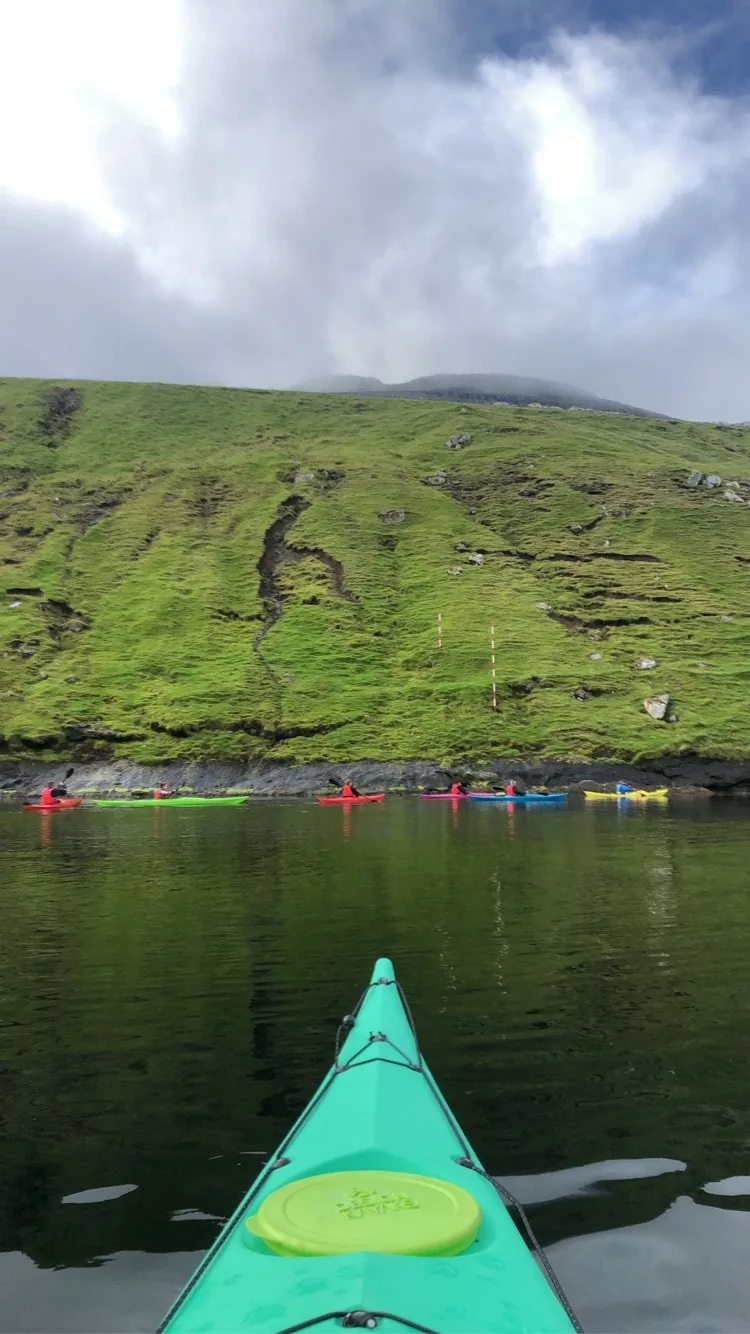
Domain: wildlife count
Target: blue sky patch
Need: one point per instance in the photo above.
(713, 35)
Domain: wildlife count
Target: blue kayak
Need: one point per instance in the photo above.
(523, 799)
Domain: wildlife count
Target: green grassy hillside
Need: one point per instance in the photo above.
(207, 573)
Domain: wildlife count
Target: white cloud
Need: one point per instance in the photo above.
(330, 190)
(67, 67)
(615, 142)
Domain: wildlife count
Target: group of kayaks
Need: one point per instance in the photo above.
(375, 1212)
(507, 798)
(532, 798)
(71, 803)
(517, 798)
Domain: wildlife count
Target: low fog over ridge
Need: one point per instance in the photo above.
(521, 390)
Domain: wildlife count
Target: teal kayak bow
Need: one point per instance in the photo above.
(374, 1213)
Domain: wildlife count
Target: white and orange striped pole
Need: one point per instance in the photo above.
(494, 670)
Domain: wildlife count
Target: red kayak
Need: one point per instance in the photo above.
(62, 804)
(349, 801)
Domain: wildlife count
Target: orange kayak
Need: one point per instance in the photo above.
(349, 801)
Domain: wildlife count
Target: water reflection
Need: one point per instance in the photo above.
(170, 989)
(685, 1270)
(588, 1179)
(731, 1186)
(501, 945)
(661, 899)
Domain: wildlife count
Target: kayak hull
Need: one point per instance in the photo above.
(62, 804)
(350, 801)
(378, 1109)
(658, 794)
(171, 801)
(527, 799)
(445, 796)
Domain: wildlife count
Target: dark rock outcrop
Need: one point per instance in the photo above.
(19, 779)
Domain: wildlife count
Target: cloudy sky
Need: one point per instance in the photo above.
(254, 192)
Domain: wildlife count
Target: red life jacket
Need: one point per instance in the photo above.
(510, 790)
(456, 790)
(47, 798)
(347, 790)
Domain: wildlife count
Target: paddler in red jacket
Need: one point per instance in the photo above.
(458, 790)
(349, 791)
(47, 798)
(163, 792)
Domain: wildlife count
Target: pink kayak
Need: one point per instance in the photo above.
(450, 796)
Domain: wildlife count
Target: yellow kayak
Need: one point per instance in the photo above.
(658, 794)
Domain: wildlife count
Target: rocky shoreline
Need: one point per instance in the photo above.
(20, 779)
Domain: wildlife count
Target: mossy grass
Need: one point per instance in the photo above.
(142, 630)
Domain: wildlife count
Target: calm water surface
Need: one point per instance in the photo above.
(171, 981)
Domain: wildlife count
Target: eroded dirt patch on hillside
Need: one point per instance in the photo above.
(62, 619)
(277, 551)
(59, 406)
(583, 625)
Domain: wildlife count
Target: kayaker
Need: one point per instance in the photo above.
(48, 796)
(349, 791)
(510, 788)
(622, 788)
(458, 790)
(162, 792)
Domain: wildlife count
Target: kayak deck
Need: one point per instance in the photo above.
(170, 801)
(523, 799)
(378, 1109)
(640, 794)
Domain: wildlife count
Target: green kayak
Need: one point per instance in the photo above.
(374, 1213)
(170, 801)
